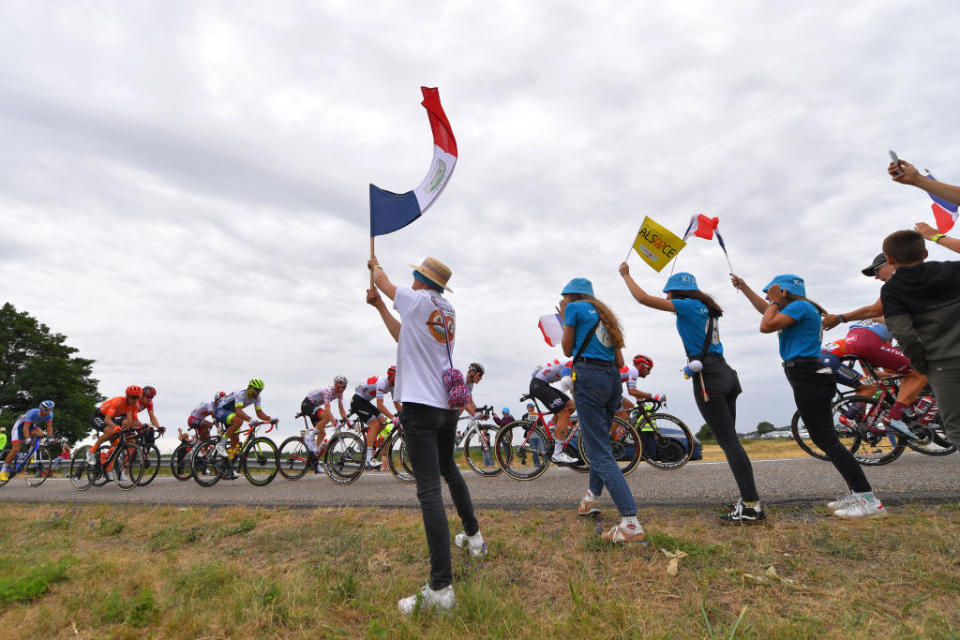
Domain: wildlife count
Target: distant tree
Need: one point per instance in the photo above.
(36, 365)
(705, 433)
(765, 427)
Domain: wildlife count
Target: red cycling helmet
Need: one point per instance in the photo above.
(149, 392)
(392, 371)
(134, 390)
(221, 394)
(641, 359)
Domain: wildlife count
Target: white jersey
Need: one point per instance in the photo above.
(375, 387)
(427, 321)
(324, 395)
(239, 399)
(630, 376)
(203, 410)
(552, 371)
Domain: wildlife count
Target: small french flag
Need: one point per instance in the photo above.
(702, 227)
(391, 211)
(945, 213)
(551, 329)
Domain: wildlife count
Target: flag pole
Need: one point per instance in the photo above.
(632, 243)
(371, 257)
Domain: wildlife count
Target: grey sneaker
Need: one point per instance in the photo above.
(842, 502)
(473, 543)
(901, 426)
(588, 507)
(428, 600)
(862, 508)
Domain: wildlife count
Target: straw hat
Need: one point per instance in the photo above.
(434, 271)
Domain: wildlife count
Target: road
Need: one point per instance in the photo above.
(782, 481)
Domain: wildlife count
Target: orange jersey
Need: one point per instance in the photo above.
(117, 407)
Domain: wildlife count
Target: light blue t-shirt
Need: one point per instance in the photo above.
(692, 320)
(583, 316)
(802, 338)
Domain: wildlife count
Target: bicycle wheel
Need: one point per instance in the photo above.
(624, 444)
(207, 467)
(478, 450)
(294, 458)
(129, 466)
(3, 456)
(521, 449)
(397, 459)
(876, 443)
(344, 457)
(802, 437)
(81, 474)
(258, 461)
(180, 462)
(932, 439)
(35, 471)
(152, 467)
(667, 428)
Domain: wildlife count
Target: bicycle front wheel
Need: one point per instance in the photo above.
(81, 474)
(397, 459)
(521, 449)
(344, 457)
(932, 439)
(206, 466)
(35, 472)
(294, 457)
(478, 450)
(672, 439)
(152, 454)
(180, 462)
(259, 461)
(129, 466)
(624, 445)
(876, 442)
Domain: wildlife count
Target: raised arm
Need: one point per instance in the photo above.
(906, 173)
(933, 235)
(380, 279)
(741, 285)
(641, 296)
(863, 313)
(391, 322)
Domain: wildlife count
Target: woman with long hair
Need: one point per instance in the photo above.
(798, 324)
(593, 336)
(715, 387)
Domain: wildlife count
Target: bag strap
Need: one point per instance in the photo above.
(446, 338)
(586, 340)
(711, 323)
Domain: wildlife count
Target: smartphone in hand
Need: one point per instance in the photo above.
(896, 161)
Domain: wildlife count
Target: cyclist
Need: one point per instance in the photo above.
(912, 382)
(556, 402)
(197, 420)
(373, 416)
(230, 412)
(121, 412)
(317, 406)
(26, 427)
(475, 373)
(642, 365)
(146, 402)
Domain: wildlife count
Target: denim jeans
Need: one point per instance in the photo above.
(597, 394)
(430, 434)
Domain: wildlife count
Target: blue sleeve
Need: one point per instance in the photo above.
(571, 314)
(797, 310)
(684, 306)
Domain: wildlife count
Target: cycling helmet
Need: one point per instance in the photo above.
(256, 383)
(134, 390)
(220, 394)
(47, 405)
(340, 380)
(641, 359)
(476, 366)
(392, 371)
(149, 392)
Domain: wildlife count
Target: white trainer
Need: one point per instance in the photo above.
(563, 458)
(220, 450)
(862, 508)
(91, 457)
(428, 600)
(842, 502)
(473, 543)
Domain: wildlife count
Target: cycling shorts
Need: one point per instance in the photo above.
(19, 431)
(202, 427)
(866, 344)
(99, 421)
(554, 399)
(224, 415)
(312, 410)
(842, 373)
(364, 409)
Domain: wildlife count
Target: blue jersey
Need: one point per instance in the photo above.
(802, 338)
(583, 316)
(692, 320)
(33, 417)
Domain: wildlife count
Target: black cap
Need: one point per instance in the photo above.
(879, 261)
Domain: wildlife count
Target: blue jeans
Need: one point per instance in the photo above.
(597, 394)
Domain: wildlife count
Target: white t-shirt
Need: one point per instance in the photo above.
(422, 348)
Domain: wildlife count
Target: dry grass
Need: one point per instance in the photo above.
(758, 449)
(168, 572)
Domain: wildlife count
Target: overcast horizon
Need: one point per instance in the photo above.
(184, 185)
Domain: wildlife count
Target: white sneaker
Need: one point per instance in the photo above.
(91, 457)
(320, 468)
(474, 543)
(109, 476)
(373, 464)
(842, 502)
(588, 506)
(563, 458)
(862, 508)
(220, 450)
(428, 600)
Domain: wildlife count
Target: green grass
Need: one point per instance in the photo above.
(108, 571)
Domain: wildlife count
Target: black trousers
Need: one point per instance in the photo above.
(723, 387)
(813, 392)
(430, 433)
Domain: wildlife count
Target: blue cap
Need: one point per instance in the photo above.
(578, 285)
(789, 283)
(505, 410)
(682, 281)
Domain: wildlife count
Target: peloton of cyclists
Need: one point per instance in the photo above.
(27, 426)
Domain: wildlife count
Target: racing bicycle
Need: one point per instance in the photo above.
(33, 460)
(256, 458)
(477, 441)
(345, 456)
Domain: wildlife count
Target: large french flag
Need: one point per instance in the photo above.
(551, 328)
(391, 211)
(702, 227)
(945, 213)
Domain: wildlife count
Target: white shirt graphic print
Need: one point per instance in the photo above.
(422, 348)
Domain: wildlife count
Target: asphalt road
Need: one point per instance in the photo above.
(914, 477)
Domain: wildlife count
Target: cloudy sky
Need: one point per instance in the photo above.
(183, 185)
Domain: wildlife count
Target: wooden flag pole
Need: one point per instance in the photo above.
(371, 257)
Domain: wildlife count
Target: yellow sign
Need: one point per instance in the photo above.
(656, 244)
